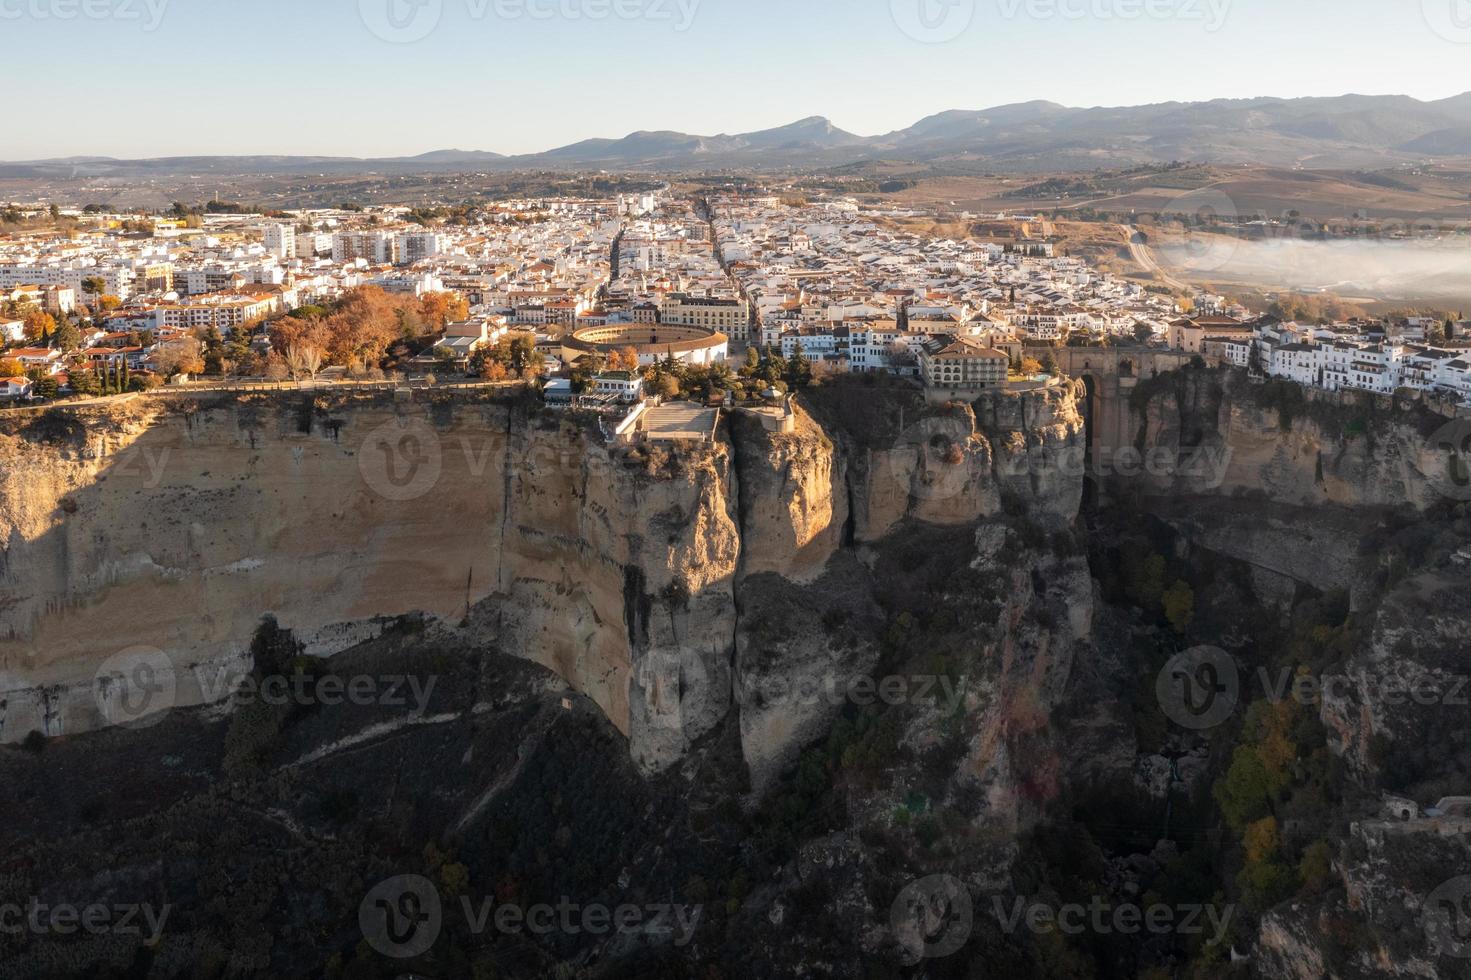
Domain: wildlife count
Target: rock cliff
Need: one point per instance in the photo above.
(1296, 445)
(172, 527)
(159, 531)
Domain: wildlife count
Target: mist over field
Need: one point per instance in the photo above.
(1433, 270)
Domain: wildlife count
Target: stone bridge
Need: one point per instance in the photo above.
(1110, 374)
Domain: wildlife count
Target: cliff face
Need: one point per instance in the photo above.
(1296, 445)
(1389, 876)
(155, 527)
(1403, 694)
(165, 528)
(869, 470)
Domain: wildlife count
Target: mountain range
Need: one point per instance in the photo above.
(1324, 133)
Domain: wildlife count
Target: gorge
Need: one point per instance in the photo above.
(652, 624)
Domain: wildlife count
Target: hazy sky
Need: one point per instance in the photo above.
(137, 78)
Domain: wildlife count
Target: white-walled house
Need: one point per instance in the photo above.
(14, 389)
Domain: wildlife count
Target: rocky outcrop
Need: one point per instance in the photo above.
(811, 613)
(154, 534)
(1217, 432)
(1402, 698)
(794, 497)
(160, 532)
(1398, 913)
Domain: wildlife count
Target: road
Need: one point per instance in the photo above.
(1141, 253)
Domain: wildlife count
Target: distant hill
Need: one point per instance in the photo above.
(1350, 131)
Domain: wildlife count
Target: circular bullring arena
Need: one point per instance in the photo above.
(653, 342)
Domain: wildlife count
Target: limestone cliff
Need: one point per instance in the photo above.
(868, 469)
(161, 530)
(1221, 433)
(172, 527)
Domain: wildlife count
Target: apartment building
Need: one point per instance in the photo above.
(418, 246)
(280, 240)
(731, 317)
(961, 364)
(374, 247)
(224, 313)
(115, 281)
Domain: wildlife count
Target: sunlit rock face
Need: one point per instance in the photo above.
(162, 531)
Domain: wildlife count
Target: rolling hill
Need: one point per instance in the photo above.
(1350, 131)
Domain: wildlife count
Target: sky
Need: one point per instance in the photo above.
(148, 78)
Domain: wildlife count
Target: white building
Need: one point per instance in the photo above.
(623, 385)
(375, 247)
(280, 240)
(961, 364)
(418, 246)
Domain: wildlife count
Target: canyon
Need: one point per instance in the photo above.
(693, 597)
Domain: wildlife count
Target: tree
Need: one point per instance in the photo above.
(303, 361)
(85, 383)
(446, 358)
(93, 286)
(45, 388)
(1143, 333)
(1031, 366)
(1144, 578)
(443, 308)
(11, 368)
(1316, 867)
(799, 369)
(67, 337)
(38, 325)
(1261, 840)
(1049, 364)
(630, 358)
(179, 356)
(1245, 794)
